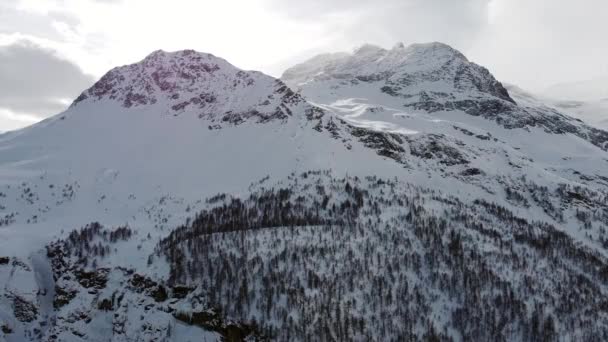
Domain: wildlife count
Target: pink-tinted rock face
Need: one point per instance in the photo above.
(160, 75)
(189, 82)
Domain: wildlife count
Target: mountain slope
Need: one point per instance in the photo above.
(181, 198)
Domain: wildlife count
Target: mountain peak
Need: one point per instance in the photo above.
(371, 59)
(192, 57)
(435, 49)
(367, 49)
(198, 83)
(159, 73)
(398, 46)
(406, 71)
(428, 50)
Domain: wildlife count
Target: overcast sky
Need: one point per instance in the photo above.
(51, 50)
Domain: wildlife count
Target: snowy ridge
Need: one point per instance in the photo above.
(181, 198)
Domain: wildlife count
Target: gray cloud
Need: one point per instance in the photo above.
(34, 80)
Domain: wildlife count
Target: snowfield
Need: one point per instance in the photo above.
(399, 194)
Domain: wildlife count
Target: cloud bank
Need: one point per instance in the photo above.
(36, 83)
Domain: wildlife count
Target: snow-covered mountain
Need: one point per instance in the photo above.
(398, 194)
